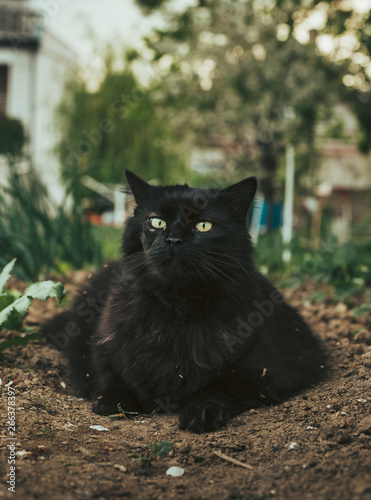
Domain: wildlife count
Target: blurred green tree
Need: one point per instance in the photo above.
(234, 75)
(114, 128)
(348, 30)
(148, 5)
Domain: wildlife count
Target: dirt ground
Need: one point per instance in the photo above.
(314, 446)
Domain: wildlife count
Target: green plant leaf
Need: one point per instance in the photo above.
(123, 414)
(345, 292)
(14, 321)
(40, 291)
(161, 449)
(20, 341)
(361, 310)
(6, 273)
(318, 296)
(292, 283)
(44, 290)
(5, 300)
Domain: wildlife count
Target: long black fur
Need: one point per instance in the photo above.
(184, 320)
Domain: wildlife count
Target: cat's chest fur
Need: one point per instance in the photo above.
(159, 354)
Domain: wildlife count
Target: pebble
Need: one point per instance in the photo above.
(363, 337)
(340, 307)
(98, 427)
(364, 426)
(175, 472)
(186, 448)
(366, 359)
(120, 467)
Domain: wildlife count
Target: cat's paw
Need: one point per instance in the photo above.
(103, 406)
(106, 404)
(207, 416)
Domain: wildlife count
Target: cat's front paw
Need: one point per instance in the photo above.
(106, 403)
(207, 416)
(103, 406)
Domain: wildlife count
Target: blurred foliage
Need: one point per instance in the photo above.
(158, 450)
(346, 267)
(114, 128)
(12, 136)
(43, 237)
(362, 109)
(148, 5)
(233, 74)
(110, 240)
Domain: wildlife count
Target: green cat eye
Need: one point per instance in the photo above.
(157, 223)
(204, 226)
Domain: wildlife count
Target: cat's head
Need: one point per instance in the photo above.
(190, 233)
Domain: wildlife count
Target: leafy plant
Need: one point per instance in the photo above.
(123, 413)
(161, 449)
(14, 306)
(41, 432)
(20, 341)
(362, 310)
(43, 237)
(318, 296)
(346, 268)
(114, 128)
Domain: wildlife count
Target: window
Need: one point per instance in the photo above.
(3, 88)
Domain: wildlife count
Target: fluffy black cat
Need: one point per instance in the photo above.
(184, 321)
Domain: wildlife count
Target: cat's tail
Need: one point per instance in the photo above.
(71, 336)
(72, 331)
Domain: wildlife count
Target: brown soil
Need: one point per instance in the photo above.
(60, 456)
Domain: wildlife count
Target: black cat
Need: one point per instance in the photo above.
(184, 320)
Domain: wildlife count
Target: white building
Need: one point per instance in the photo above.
(34, 66)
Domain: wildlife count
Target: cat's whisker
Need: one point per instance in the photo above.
(221, 281)
(229, 277)
(225, 262)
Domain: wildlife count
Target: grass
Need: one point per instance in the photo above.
(346, 267)
(42, 236)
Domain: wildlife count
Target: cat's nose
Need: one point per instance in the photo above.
(174, 241)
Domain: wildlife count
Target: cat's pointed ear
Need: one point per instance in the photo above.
(239, 196)
(138, 186)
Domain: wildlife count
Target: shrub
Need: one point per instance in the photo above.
(43, 237)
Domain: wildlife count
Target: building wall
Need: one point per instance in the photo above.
(53, 66)
(37, 78)
(342, 165)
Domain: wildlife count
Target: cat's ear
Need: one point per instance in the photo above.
(239, 196)
(140, 188)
